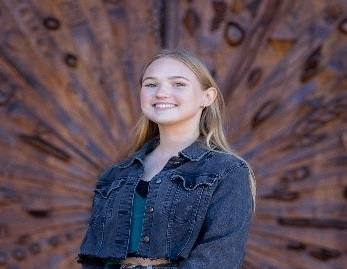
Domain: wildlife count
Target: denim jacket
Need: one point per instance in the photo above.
(198, 210)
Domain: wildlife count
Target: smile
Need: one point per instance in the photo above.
(163, 105)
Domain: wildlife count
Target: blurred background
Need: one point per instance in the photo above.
(69, 99)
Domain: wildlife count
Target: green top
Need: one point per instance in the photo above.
(139, 205)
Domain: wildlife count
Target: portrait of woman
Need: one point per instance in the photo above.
(181, 198)
(132, 134)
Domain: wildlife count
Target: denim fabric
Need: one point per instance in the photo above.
(198, 210)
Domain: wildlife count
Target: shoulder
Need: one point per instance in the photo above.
(228, 161)
(227, 156)
(237, 173)
(106, 172)
(116, 167)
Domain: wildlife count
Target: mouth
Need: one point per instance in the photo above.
(164, 105)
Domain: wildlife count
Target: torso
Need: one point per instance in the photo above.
(153, 165)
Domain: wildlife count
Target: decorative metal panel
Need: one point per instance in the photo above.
(69, 100)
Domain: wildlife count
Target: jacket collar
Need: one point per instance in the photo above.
(193, 152)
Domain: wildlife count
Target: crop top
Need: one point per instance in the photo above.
(138, 211)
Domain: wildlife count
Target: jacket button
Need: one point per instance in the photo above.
(150, 209)
(146, 239)
(158, 181)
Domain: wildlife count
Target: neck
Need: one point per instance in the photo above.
(173, 142)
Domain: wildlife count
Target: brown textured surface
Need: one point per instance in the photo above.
(69, 98)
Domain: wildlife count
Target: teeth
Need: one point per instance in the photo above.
(164, 105)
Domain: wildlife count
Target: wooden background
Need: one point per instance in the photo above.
(69, 98)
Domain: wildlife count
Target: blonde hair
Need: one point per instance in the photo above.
(211, 127)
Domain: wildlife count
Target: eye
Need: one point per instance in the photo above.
(179, 84)
(150, 85)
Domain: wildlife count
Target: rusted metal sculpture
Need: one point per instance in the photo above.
(69, 100)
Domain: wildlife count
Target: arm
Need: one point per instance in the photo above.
(222, 239)
(84, 257)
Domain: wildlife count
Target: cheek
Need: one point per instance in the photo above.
(143, 96)
(144, 99)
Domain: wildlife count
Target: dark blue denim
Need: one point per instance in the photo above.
(198, 210)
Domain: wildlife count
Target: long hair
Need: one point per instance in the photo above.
(211, 121)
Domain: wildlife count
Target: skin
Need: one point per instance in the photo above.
(172, 97)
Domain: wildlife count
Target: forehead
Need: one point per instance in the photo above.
(168, 66)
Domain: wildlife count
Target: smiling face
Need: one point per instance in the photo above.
(171, 94)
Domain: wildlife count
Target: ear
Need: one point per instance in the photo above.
(210, 95)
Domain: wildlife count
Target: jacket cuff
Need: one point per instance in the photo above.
(90, 262)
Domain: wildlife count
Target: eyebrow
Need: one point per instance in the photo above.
(170, 78)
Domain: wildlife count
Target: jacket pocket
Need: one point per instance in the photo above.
(104, 195)
(104, 188)
(185, 205)
(184, 196)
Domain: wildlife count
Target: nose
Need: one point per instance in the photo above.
(162, 91)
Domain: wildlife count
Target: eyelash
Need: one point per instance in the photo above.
(179, 84)
(175, 84)
(150, 85)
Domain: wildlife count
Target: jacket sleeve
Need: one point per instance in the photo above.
(222, 239)
(85, 259)
(90, 262)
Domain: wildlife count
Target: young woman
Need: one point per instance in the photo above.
(181, 199)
